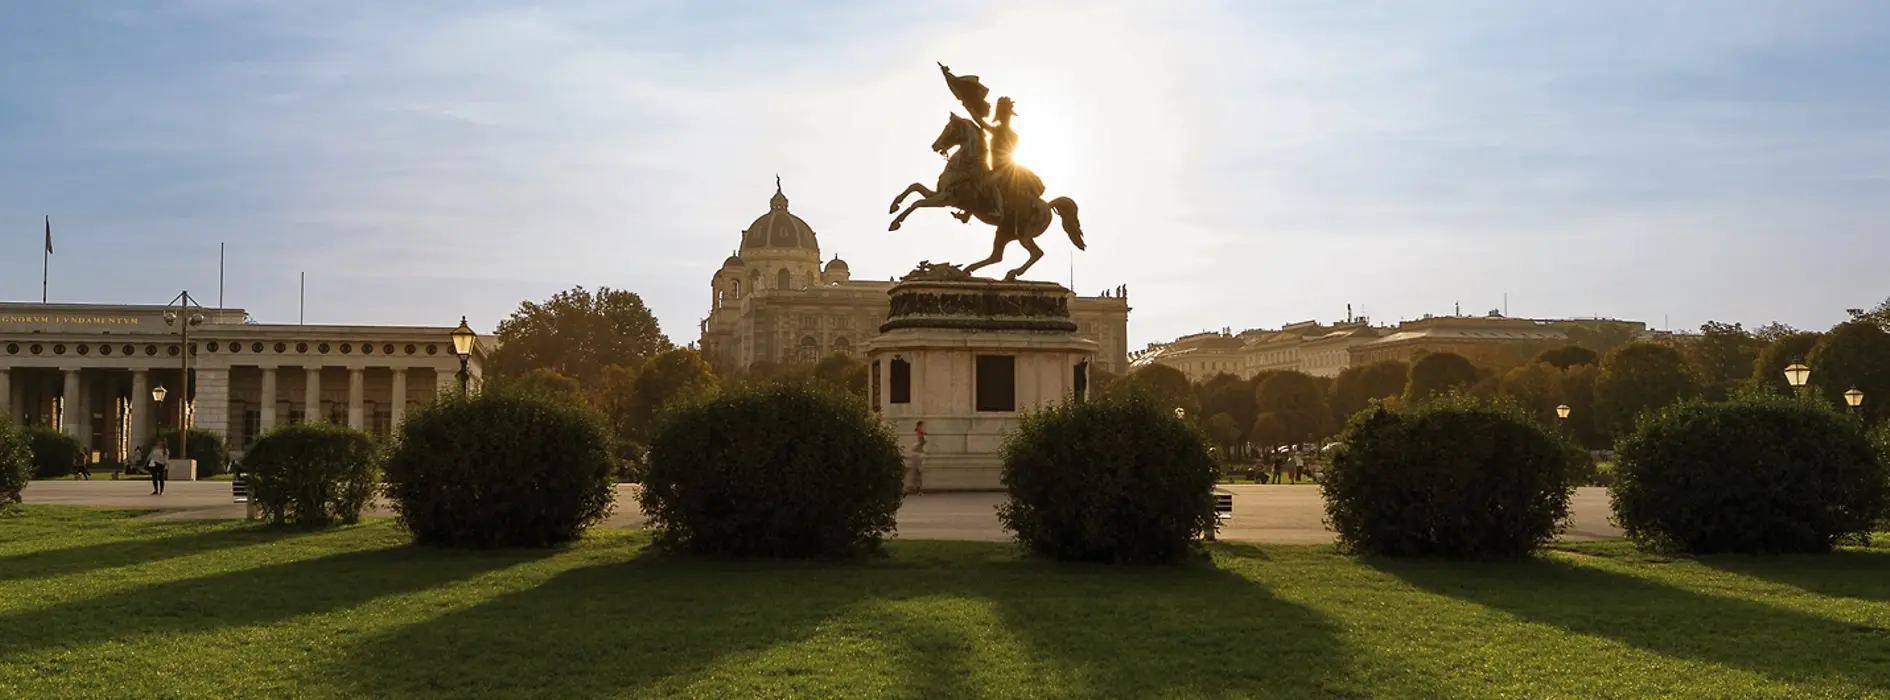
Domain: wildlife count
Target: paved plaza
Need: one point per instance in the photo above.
(1269, 514)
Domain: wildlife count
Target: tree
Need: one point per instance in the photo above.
(1296, 400)
(1854, 355)
(577, 333)
(1722, 358)
(1768, 373)
(1639, 377)
(1165, 385)
(1355, 387)
(1225, 432)
(1601, 336)
(1879, 316)
(1439, 373)
(669, 376)
(1233, 398)
(843, 371)
(1577, 389)
(613, 395)
(1269, 431)
(1536, 389)
(1569, 356)
(1772, 332)
(547, 383)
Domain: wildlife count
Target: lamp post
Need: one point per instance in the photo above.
(183, 312)
(157, 394)
(1854, 398)
(1797, 374)
(463, 338)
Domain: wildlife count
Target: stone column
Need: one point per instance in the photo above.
(398, 411)
(312, 394)
(357, 383)
(446, 381)
(6, 396)
(69, 405)
(140, 406)
(212, 401)
(268, 408)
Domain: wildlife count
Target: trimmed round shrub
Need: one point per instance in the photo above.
(779, 470)
(1118, 479)
(1756, 474)
(1455, 478)
(212, 456)
(499, 470)
(312, 474)
(54, 453)
(16, 464)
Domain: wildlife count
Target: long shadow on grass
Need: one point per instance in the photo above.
(138, 546)
(245, 597)
(1196, 631)
(1763, 639)
(610, 630)
(1864, 575)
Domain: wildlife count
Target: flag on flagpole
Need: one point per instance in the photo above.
(49, 234)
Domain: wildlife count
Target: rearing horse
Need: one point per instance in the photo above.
(966, 184)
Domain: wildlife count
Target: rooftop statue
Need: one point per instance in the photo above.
(981, 180)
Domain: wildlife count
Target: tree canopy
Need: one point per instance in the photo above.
(1439, 373)
(1722, 358)
(1854, 355)
(1165, 385)
(1355, 387)
(1638, 377)
(1768, 372)
(577, 333)
(1569, 356)
(547, 383)
(1298, 402)
(669, 376)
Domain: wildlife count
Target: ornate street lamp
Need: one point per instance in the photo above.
(1181, 412)
(157, 394)
(463, 338)
(1562, 411)
(1854, 398)
(1796, 374)
(185, 313)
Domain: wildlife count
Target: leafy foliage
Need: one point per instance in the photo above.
(1855, 354)
(1636, 378)
(548, 384)
(54, 453)
(1224, 430)
(1768, 372)
(1535, 388)
(1584, 423)
(1355, 387)
(499, 470)
(1569, 356)
(312, 474)
(1296, 399)
(614, 395)
(1117, 480)
(789, 470)
(1269, 431)
(679, 374)
(1757, 474)
(1722, 358)
(578, 333)
(1439, 373)
(1601, 337)
(1454, 478)
(1230, 395)
(844, 371)
(207, 448)
(1161, 384)
(1878, 315)
(16, 464)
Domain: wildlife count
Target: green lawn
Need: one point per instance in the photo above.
(97, 603)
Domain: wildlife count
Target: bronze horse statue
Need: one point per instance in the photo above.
(1019, 213)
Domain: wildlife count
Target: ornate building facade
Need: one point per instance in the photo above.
(774, 301)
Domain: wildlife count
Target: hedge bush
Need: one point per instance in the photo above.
(1117, 479)
(213, 457)
(54, 453)
(499, 470)
(312, 474)
(1756, 474)
(789, 470)
(1455, 478)
(16, 464)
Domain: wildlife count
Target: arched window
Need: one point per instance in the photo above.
(809, 350)
(735, 287)
(840, 345)
(782, 279)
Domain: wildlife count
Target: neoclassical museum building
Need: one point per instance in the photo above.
(90, 369)
(773, 301)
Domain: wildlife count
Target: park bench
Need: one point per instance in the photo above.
(1223, 508)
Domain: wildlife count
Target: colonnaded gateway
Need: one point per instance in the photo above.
(773, 301)
(89, 369)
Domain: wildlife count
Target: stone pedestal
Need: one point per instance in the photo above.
(181, 470)
(966, 356)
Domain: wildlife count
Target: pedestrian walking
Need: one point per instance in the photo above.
(915, 462)
(160, 464)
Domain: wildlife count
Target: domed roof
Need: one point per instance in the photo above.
(836, 264)
(779, 229)
(733, 261)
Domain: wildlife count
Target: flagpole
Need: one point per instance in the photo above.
(45, 259)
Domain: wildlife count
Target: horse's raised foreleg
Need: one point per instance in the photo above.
(916, 187)
(997, 253)
(933, 200)
(1035, 254)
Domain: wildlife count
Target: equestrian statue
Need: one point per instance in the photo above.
(982, 180)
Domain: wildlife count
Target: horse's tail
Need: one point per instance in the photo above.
(1066, 209)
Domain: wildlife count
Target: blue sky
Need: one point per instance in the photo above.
(1239, 164)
